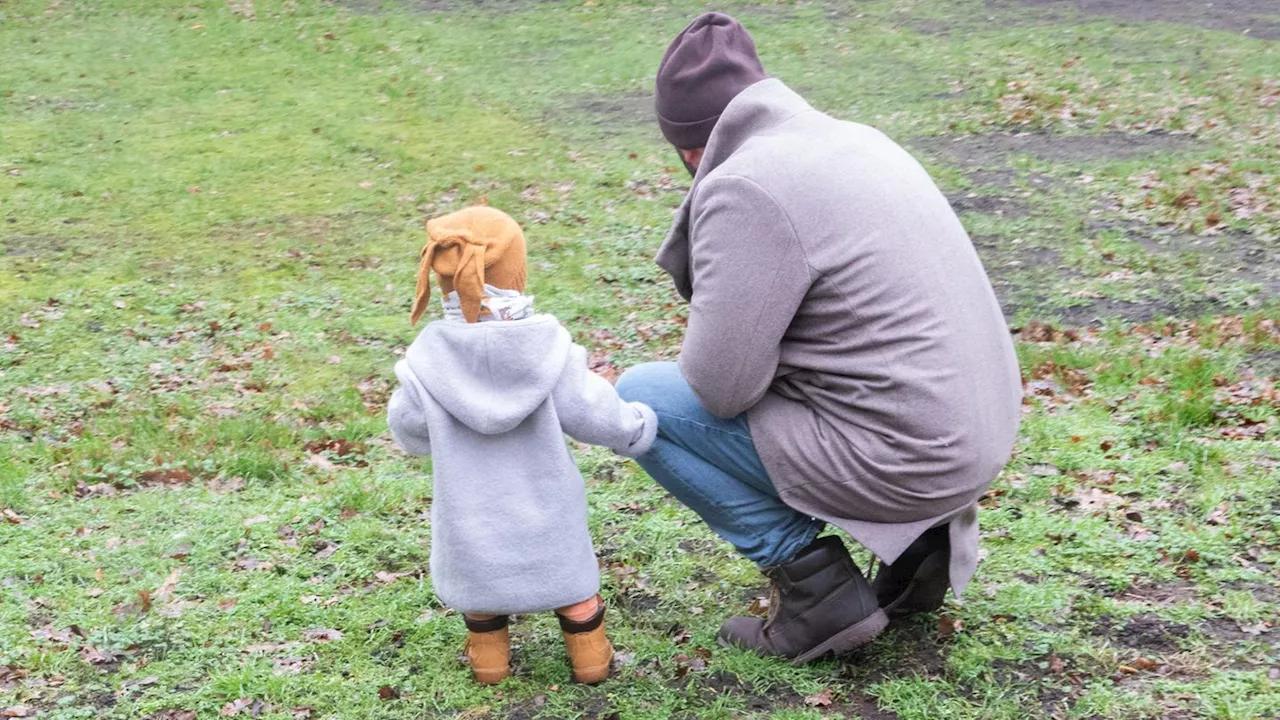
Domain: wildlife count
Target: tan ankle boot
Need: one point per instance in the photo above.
(590, 652)
(489, 649)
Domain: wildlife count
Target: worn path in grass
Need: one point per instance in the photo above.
(209, 218)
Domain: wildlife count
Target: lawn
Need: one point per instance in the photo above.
(211, 214)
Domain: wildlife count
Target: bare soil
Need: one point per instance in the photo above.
(991, 153)
(1256, 18)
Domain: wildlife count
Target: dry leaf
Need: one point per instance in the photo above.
(387, 692)
(12, 517)
(17, 711)
(822, 699)
(321, 634)
(948, 626)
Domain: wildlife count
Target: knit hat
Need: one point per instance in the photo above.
(705, 67)
(467, 250)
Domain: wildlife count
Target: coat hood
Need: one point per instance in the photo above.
(488, 376)
(756, 110)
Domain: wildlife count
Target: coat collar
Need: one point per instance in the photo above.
(759, 108)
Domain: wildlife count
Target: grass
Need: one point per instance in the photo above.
(211, 217)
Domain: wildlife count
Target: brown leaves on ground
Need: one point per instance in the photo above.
(330, 453)
(17, 711)
(697, 662)
(321, 635)
(822, 699)
(948, 626)
(173, 714)
(12, 517)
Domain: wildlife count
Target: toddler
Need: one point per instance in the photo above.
(489, 392)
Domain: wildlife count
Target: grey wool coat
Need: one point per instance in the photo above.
(836, 299)
(491, 403)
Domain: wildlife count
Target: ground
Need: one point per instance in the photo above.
(211, 218)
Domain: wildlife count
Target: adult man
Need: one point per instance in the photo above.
(846, 361)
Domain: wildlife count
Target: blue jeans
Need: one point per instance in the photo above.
(711, 465)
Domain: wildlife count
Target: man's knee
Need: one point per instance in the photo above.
(658, 385)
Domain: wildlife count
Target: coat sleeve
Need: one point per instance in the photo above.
(406, 416)
(591, 411)
(749, 277)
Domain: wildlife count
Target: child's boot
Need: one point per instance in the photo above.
(590, 652)
(489, 649)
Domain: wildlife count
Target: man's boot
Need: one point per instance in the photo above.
(919, 579)
(820, 605)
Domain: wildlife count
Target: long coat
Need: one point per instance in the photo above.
(836, 299)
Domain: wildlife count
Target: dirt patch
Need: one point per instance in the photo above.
(986, 153)
(606, 112)
(371, 7)
(31, 245)
(1264, 364)
(988, 204)
(1178, 593)
(727, 684)
(1099, 311)
(1234, 256)
(1256, 18)
(1147, 632)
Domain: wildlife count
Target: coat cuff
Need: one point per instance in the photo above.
(648, 431)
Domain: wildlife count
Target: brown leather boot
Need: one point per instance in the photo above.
(489, 649)
(919, 579)
(590, 652)
(821, 605)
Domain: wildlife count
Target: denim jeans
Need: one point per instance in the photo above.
(711, 465)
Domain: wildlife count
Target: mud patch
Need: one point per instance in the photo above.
(1231, 256)
(727, 684)
(988, 204)
(1256, 18)
(992, 153)
(373, 7)
(607, 112)
(31, 246)
(1146, 632)
(1264, 364)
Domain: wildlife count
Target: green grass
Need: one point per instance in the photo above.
(209, 226)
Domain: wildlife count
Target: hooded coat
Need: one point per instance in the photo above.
(836, 299)
(491, 403)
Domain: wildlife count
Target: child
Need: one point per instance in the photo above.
(489, 392)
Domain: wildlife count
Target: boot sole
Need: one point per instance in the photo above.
(848, 639)
(927, 590)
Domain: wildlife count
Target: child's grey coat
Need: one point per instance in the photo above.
(491, 402)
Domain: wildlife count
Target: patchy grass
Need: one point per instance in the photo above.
(210, 219)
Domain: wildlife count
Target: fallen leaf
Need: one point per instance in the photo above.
(12, 517)
(321, 634)
(321, 462)
(1055, 665)
(17, 711)
(1144, 664)
(235, 706)
(759, 606)
(94, 656)
(165, 591)
(948, 627)
(387, 692)
(822, 699)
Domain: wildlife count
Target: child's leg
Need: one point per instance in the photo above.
(488, 647)
(583, 611)
(590, 652)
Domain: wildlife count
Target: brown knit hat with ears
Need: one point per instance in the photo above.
(467, 250)
(705, 68)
